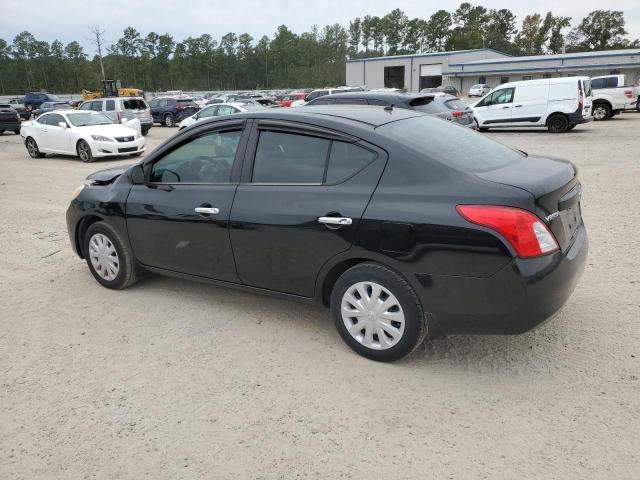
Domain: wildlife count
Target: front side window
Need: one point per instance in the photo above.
(207, 112)
(53, 119)
(290, 158)
(499, 97)
(204, 159)
(42, 119)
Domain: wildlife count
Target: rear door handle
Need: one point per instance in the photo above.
(505, 108)
(335, 220)
(517, 106)
(207, 210)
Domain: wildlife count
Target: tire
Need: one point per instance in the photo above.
(32, 148)
(481, 129)
(84, 151)
(108, 256)
(557, 123)
(601, 111)
(406, 329)
(169, 120)
(144, 131)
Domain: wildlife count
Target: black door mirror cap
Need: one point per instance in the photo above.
(137, 174)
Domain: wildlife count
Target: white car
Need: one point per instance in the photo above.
(479, 90)
(559, 104)
(88, 135)
(218, 110)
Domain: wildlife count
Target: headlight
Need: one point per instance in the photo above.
(102, 138)
(76, 192)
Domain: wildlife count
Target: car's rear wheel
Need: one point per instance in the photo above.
(557, 123)
(84, 151)
(168, 120)
(601, 111)
(144, 131)
(32, 148)
(377, 313)
(110, 260)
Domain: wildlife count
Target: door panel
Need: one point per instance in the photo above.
(529, 104)
(277, 240)
(166, 232)
(497, 108)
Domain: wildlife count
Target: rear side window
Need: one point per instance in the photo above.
(187, 103)
(346, 160)
(96, 106)
(455, 104)
(426, 105)
(134, 104)
(110, 105)
(205, 159)
(459, 148)
(289, 158)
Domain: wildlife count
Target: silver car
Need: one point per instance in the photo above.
(479, 90)
(126, 108)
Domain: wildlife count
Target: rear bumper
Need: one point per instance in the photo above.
(11, 125)
(519, 297)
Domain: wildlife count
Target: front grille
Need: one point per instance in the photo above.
(128, 149)
(125, 139)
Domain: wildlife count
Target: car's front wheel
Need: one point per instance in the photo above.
(32, 148)
(377, 313)
(84, 151)
(109, 258)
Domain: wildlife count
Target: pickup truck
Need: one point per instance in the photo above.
(611, 96)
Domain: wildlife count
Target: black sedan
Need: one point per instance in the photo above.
(402, 224)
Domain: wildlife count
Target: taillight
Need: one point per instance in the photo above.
(526, 233)
(457, 114)
(628, 93)
(178, 107)
(580, 99)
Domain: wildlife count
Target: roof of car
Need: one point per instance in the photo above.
(377, 94)
(363, 114)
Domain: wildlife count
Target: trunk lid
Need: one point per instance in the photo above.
(555, 187)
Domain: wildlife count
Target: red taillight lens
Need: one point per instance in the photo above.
(526, 233)
(178, 107)
(580, 99)
(628, 93)
(457, 114)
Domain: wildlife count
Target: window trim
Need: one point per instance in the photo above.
(242, 125)
(297, 128)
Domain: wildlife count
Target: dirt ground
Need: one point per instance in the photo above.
(179, 380)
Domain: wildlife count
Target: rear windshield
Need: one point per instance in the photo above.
(458, 147)
(456, 104)
(426, 105)
(587, 87)
(134, 104)
(187, 103)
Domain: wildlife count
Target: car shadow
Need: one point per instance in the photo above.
(508, 354)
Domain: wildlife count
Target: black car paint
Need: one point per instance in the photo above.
(468, 279)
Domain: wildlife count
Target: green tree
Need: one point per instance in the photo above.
(600, 30)
(439, 30)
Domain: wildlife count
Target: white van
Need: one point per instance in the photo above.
(556, 103)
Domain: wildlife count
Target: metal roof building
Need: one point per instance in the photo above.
(465, 68)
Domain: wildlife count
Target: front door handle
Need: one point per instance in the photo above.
(207, 210)
(518, 106)
(335, 220)
(505, 107)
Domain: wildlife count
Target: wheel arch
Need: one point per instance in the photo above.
(81, 229)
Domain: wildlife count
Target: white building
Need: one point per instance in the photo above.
(465, 68)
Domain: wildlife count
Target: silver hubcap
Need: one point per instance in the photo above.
(104, 257)
(372, 315)
(599, 113)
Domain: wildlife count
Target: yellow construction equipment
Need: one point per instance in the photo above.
(112, 88)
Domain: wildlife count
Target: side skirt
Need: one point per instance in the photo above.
(236, 286)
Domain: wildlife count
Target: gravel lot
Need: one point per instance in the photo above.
(179, 380)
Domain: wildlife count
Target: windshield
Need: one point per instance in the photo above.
(82, 119)
(452, 145)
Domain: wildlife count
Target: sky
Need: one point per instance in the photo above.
(68, 20)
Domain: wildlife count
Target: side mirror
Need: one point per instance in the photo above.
(137, 174)
(62, 124)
